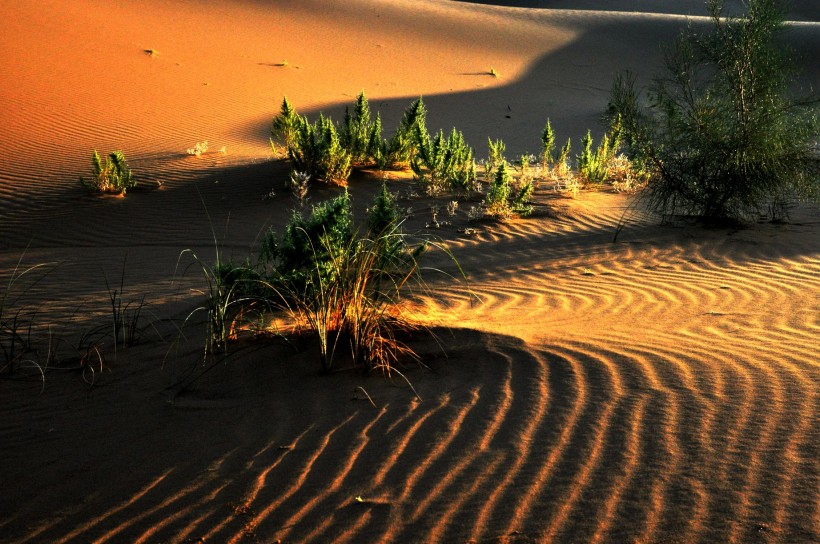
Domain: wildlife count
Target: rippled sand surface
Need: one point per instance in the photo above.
(662, 388)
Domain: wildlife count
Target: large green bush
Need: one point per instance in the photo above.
(722, 133)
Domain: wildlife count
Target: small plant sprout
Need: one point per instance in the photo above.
(284, 63)
(299, 185)
(198, 149)
(433, 224)
(493, 72)
(452, 208)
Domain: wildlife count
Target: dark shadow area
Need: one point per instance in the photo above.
(798, 10)
(569, 86)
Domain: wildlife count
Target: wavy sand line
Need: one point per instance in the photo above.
(296, 485)
(336, 481)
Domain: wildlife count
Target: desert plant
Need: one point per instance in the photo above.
(199, 148)
(521, 196)
(125, 316)
(343, 309)
(403, 146)
(16, 320)
(562, 167)
(357, 131)
(344, 287)
(494, 159)
(593, 166)
(724, 135)
(298, 256)
(443, 163)
(506, 198)
(111, 175)
(547, 145)
(299, 183)
(318, 151)
(283, 134)
(497, 199)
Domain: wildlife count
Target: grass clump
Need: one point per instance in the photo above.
(723, 134)
(345, 287)
(17, 320)
(111, 175)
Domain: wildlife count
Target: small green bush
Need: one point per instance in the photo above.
(301, 255)
(594, 166)
(111, 175)
(444, 163)
(403, 146)
(494, 159)
(285, 127)
(505, 197)
(357, 131)
(497, 199)
(547, 145)
(318, 151)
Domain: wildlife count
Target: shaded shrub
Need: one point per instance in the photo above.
(300, 257)
(722, 134)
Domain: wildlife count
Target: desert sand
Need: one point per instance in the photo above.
(663, 388)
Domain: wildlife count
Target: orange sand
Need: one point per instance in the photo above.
(665, 388)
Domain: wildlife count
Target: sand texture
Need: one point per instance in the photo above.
(664, 388)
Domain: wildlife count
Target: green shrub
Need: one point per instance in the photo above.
(495, 158)
(110, 176)
(318, 151)
(300, 257)
(357, 131)
(497, 199)
(403, 146)
(505, 197)
(354, 306)
(593, 166)
(547, 145)
(723, 135)
(521, 198)
(344, 287)
(562, 162)
(443, 163)
(285, 127)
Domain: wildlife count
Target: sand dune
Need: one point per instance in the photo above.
(664, 388)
